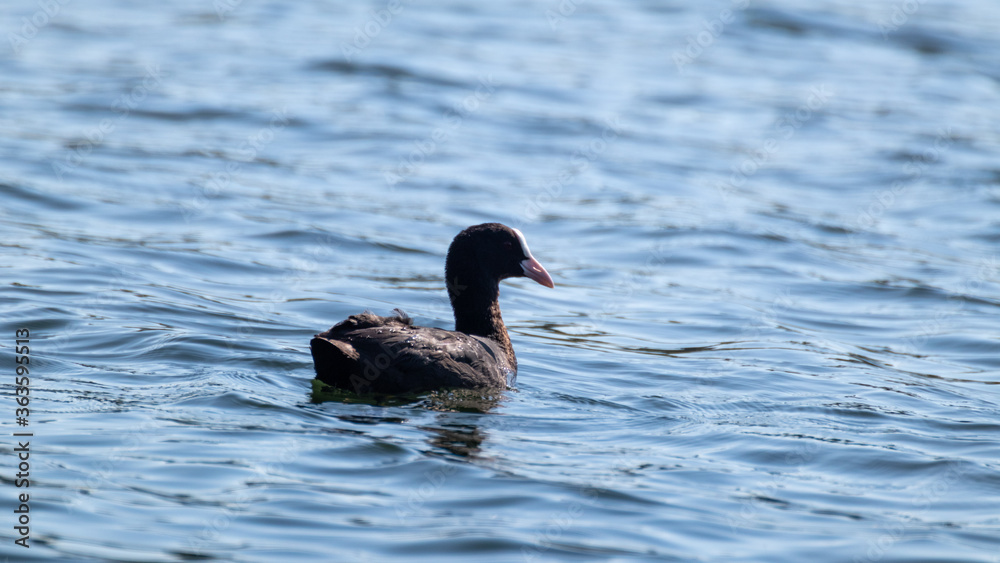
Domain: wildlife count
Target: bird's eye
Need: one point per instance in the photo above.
(508, 245)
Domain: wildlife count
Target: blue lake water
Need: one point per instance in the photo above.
(774, 229)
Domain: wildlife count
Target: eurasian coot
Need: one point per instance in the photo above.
(369, 353)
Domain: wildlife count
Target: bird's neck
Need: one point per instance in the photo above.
(477, 312)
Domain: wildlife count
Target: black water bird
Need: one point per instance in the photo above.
(368, 353)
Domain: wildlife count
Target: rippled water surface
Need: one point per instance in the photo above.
(773, 228)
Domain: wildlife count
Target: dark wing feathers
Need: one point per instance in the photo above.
(369, 353)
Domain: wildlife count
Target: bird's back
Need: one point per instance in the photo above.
(371, 353)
